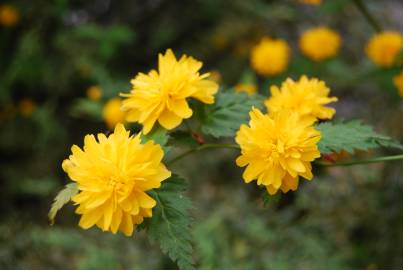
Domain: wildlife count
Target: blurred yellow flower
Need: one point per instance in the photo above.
(277, 149)
(311, 2)
(215, 76)
(113, 175)
(26, 107)
(320, 43)
(398, 80)
(94, 92)
(246, 88)
(161, 95)
(383, 48)
(112, 112)
(372, 266)
(270, 56)
(307, 97)
(9, 15)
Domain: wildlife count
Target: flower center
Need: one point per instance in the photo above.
(116, 182)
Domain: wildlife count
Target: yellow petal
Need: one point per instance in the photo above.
(181, 108)
(127, 224)
(169, 120)
(108, 213)
(90, 218)
(116, 220)
(97, 199)
(271, 190)
(146, 201)
(296, 165)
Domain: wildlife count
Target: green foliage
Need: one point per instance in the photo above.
(63, 197)
(84, 107)
(40, 186)
(170, 224)
(183, 139)
(108, 39)
(158, 134)
(268, 199)
(230, 110)
(350, 136)
(248, 77)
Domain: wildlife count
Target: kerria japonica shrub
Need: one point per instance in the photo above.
(122, 182)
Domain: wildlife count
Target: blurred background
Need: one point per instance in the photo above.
(63, 64)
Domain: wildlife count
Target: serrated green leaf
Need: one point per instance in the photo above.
(350, 136)
(230, 110)
(63, 197)
(170, 224)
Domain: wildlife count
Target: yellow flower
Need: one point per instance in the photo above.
(307, 97)
(26, 107)
(161, 95)
(94, 92)
(113, 175)
(9, 16)
(383, 48)
(112, 113)
(320, 43)
(247, 88)
(277, 149)
(311, 2)
(398, 80)
(270, 56)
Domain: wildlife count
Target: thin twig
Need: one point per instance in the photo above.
(360, 161)
(368, 16)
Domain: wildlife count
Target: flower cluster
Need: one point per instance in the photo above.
(113, 175)
(320, 43)
(277, 148)
(271, 57)
(161, 95)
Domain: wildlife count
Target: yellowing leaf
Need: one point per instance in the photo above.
(63, 197)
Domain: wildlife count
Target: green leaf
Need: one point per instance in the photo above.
(158, 134)
(269, 199)
(230, 110)
(63, 197)
(87, 108)
(108, 39)
(248, 77)
(183, 139)
(350, 136)
(170, 224)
